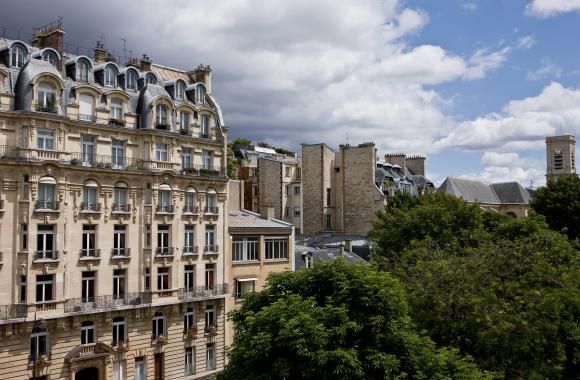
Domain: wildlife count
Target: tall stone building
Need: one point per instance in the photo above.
(560, 156)
(112, 216)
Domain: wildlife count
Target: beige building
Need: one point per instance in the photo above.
(560, 156)
(113, 217)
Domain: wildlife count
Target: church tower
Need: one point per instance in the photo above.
(560, 156)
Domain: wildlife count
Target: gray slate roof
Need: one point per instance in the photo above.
(476, 191)
(511, 192)
(322, 255)
(248, 219)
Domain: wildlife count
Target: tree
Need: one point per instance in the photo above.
(335, 321)
(506, 291)
(242, 142)
(559, 202)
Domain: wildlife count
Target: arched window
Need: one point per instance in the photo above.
(164, 201)
(131, 80)
(110, 79)
(150, 79)
(158, 327)
(179, 90)
(90, 197)
(50, 57)
(161, 119)
(117, 109)
(211, 202)
(46, 97)
(46, 194)
(82, 70)
(190, 201)
(18, 55)
(200, 94)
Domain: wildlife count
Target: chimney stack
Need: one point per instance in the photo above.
(50, 36)
(201, 74)
(267, 211)
(348, 245)
(100, 52)
(145, 63)
(396, 159)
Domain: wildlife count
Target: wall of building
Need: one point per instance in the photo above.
(317, 176)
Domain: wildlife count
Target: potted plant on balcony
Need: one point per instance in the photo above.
(191, 170)
(75, 162)
(42, 360)
(191, 332)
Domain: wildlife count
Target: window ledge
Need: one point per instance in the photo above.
(246, 262)
(276, 261)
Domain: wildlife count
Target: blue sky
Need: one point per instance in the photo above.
(475, 85)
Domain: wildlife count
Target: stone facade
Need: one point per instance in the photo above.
(560, 156)
(112, 220)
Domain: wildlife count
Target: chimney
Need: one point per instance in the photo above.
(201, 74)
(341, 249)
(101, 53)
(416, 164)
(348, 245)
(267, 211)
(396, 159)
(145, 63)
(50, 36)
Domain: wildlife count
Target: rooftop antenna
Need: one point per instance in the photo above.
(346, 137)
(124, 49)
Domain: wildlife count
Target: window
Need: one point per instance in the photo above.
(25, 188)
(184, 122)
(211, 202)
(86, 107)
(245, 249)
(296, 190)
(44, 287)
(276, 248)
(328, 222)
(110, 74)
(38, 343)
(204, 126)
(207, 159)
(50, 57)
(116, 109)
(286, 212)
(161, 116)
(24, 237)
(46, 97)
(558, 160)
(90, 197)
(147, 284)
(209, 237)
(120, 240)
(120, 201)
(287, 171)
(131, 80)
(186, 155)
(87, 332)
(18, 56)
(46, 193)
(82, 70)
(189, 239)
(89, 241)
(150, 78)
(244, 286)
(140, 369)
(119, 368)
(164, 198)
(199, 94)
(22, 290)
(328, 197)
(287, 188)
(161, 152)
(190, 201)
(179, 90)
(45, 241)
(189, 361)
(163, 279)
(158, 328)
(88, 147)
(88, 286)
(209, 316)
(119, 283)
(119, 331)
(118, 153)
(45, 139)
(209, 276)
(148, 194)
(163, 239)
(189, 278)
(147, 235)
(297, 211)
(210, 357)
(298, 173)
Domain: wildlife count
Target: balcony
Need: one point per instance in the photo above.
(42, 256)
(43, 205)
(106, 162)
(46, 108)
(202, 170)
(210, 329)
(9, 152)
(106, 302)
(185, 132)
(90, 207)
(87, 118)
(164, 209)
(211, 210)
(210, 249)
(159, 339)
(189, 209)
(13, 311)
(90, 254)
(120, 253)
(117, 122)
(121, 207)
(163, 125)
(164, 251)
(190, 250)
(202, 292)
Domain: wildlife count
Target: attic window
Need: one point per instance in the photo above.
(150, 79)
(82, 70)
(179, 90)
(18, 56)
(50, 57)
(110, 79)
(131, 80)
(200, 94)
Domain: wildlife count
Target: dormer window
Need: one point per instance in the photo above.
(46, 97)
(131, 80)
(110, 79)
(179, 90)
(200, 94)
(161, 120)
(18, 55)
(116, 111)
(50, 57)
(82, 70)
(150, 79)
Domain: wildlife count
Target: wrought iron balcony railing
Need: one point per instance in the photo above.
(107, 302)
(90, 253)
(13, 311)
(190, 249)
(106, 162)
(45, 255)
(164, 251)
(189, 209)
(211, 210)
(210, 248)
(46, 205)
(46, 108)
(88, 206)
(167, 209)
(121, 207)
(120, 252)
(202, 170)
(117, 122)
(9, 152)
(200, 292)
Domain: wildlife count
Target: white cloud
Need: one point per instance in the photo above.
(547, 8)
(483, 61)
(469, 6)
(546, 70)
(506, 167)
(526, 42)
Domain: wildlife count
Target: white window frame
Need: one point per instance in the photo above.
(189, 361)
(276, 248)
(140, 369)
(46, 90)
(45, 139)
(82, 70)
(161, 152)
(163, 278)
(245, 249)
(117, 109)
(45, 284)
(162, 114)
(119, 283)
(119, 239)
(189, 238)
(158, 325)
(243, 286)
(210, 357)
(18, 56)
(118, 153)
(86, 332)
(189, 278)
(119, 330)
(119, 370)
(110, 76)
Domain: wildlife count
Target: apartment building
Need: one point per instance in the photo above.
(112, 216)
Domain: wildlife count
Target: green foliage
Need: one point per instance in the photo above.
(242, 141)
(232, 163)
(283, 151)
(559, 202)
(335, 321)
(506, 291)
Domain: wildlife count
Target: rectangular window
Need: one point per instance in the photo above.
(209, 316)
(328, 222)
(24, 237)
(120, 240)
(87, 332)
(276, 248)
(116, 109)
(184, 122)
(204, 126)
(189, 361)
(209, 276)
(186, 155)
(38, 344)
(22, 290)
(119, 331)
(296, 190)
(210, 357)
(45, 242)
(44, 287)
(244, 286)
(45, 139)
(209, 237)
(89, 240)
(147, 235)
(297, 211)
(161, 152)
(287, 171)
(163, 239)
(147, 279)
(88, 146)
(189, 321)
(163, 279)
(164, 200)
(158, 326)
(207, 159)
(118, 153)
(298, 173)
(88, 286)
(189, 278)
(328, 197)
(245, 249)
(119, 283)
(190, 203)
(286, 212)
(287, 190)
(119, 368)
(189, 239)
(140, 369)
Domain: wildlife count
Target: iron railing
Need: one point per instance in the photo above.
(13, 311)
(199, 292)
(211, 210)
(89, 118)
(202, 170)
(117, 122)
(190, 209)
(121, 207)
(45, 255)
(106, 162)
(168, 209)
(164, 251)
(46, 205)
(190, 249)
(210, 248)
(47, 108)
(9, 152)
(88, 206)
(106, 302)
(90, 253)
(120, 252)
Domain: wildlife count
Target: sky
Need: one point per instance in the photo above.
(475, 85)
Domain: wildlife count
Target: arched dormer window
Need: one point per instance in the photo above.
(83, 70)
(179, 90)
(150, 78)
(161, 117)
(46, 97)
(131, 77)
(50, 57)
(110, 76)
(18, 55)
(117, 114)
(200, 94)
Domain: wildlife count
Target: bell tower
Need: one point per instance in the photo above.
(560, 156)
